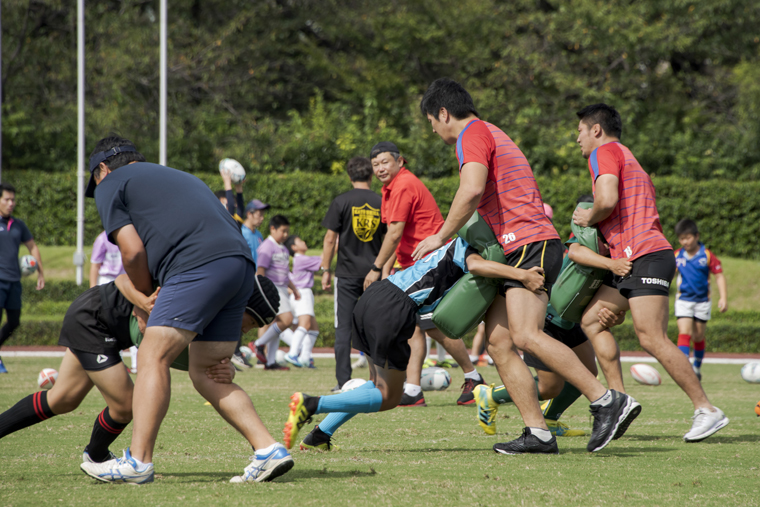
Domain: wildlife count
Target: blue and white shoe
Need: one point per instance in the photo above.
(266, 467)
(2, 367)
(87, 459)
(309, 365)
(293, 360)
(122, 470)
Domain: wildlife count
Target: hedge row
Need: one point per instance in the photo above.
(728, 213)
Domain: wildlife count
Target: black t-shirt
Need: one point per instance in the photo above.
(175, 214)
(355, 216)
(13, 232)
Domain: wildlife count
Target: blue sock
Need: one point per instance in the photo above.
(362, 400)
(333, 421)
(684, 349)
(699, 353)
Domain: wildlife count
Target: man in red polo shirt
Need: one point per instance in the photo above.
(411, 214)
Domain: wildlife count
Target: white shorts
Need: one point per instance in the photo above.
(303, 306)
(284, 300)
(689, 309)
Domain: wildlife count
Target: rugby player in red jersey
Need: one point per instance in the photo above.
(626, 213)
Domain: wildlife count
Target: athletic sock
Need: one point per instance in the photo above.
(308, 347)
(297, 340)
(474, 375)
(30, 410)
(335, 420)
(542, 434)
(412, 390)
(428, 346)
(605, 400)
(358, 401)
(441, 352)
(562, 402)
(501, 396)
(699, 353)
(272, 349)
(683, 343)
(268, 335)
(287, 336)
(133, 353)
(104, 432)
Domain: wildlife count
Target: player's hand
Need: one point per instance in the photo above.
(142, 318)
(326, 280)
(722, 305)
(40, 281)
(222, 373)
(371, 278)
(533, 280)
(427, 245)
(581, 217)
(608, 318)
(620, 267)
(150, 301)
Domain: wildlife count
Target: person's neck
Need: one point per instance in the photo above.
(361, 185)
(692, 253)
(250, 226)
(4, 215)
(605, 140)
(459, 125)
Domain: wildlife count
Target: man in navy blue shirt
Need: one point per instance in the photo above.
(13, 232)
(170, 228)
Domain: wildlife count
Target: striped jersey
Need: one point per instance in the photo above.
(511, 203)
(633, 229)
(694, 274)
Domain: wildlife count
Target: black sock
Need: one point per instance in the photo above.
(31, 410)
(104, 432)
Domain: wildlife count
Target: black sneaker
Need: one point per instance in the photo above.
(412, 401)
(317, 440)
(528, 443)
(336, 389)
(467, 398)
(612, 421)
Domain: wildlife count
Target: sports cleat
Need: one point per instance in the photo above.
(429, 363)
(309, 365)
(293, 360)
(260, 352)
(447, 363)
(276, 367)
(240, 362)
(265, 467)
(360, 363)
(336, 389)
(412, 401)
(467, 398)
(560, 429)
(87, 459)
(487, 408)
(612, 421)
(705, 424)
(317, 440)
(528, 443)
(121, 470)
(482, 359)
(299, 415)
(3, 369)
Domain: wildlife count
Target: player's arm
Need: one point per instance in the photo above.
(579, 254)
(532, 279)
(720, 280)
(94, 272)
(605, 199)
(134, 258)
(328, 250)
(134, 296)
(472, 184)
(293, 287)
(35, 251)
(388, 266)
(390, 243)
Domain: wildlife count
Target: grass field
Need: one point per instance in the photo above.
(421, 456)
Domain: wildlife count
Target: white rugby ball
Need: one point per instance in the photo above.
(281, 358)
(645, 374)
(353, 384)
(246, 352)
(27, 264)
(233, 168)
(751, 372)
(435, 379)
(47, 377)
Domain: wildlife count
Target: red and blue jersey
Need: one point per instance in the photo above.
(633, 229)
(694, 274)
(511, 203)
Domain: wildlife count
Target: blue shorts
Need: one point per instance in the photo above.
(208, 300)
(10, 295)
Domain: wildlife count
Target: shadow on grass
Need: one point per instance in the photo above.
(324, 473)
(715, 439)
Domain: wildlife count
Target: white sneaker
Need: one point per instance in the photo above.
(360, 363)
(265, 467)
(121, 470)
(705, 424)
(87, 459)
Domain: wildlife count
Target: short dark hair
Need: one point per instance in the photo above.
(289, 244)
(584, 198)
(7, 187)
(604, 115)
(120, 159)
(359, 169)
(278, 221)
(445, 92)
(221, 194)
(687, 226)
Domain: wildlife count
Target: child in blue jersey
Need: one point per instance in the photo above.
(383, 322)
(694, 263)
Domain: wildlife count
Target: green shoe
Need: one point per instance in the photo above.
(560, 429)
(448, 363)
(429, 363)
(487, 408)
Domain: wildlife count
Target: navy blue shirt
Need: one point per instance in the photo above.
(175, 214)
(13, 232)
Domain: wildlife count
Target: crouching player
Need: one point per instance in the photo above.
(383, 322)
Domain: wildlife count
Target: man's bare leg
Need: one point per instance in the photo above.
(605, 345)
(417, 357)
(454, 347)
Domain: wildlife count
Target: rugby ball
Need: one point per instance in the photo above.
(27, 264)
(47, 377)
(645, 374)
(233, 168)
(435, 379)
(353, 384)
(247, 353)
(751, 372)
(281, 358)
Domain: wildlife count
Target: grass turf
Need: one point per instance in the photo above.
(413, 456)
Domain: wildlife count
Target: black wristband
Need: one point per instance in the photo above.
(376, 269)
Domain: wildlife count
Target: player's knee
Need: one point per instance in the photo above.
(121, 413)
(547, 392)
(62, 403)
(391, 398)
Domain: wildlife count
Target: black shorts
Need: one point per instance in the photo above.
(96, 362)
(85, 327)
(384, 319)
(570, 337)
(425, 322)
(544, 254)
(650, 275)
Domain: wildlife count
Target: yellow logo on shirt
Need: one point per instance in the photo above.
(365, 221)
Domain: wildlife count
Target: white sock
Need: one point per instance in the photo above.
(272, 348)
(308, 346)
(266, 450)
(542, 434)
(298, 339)
(441, 352)
(604, 400)
(287, 336)
(474, 359)
(474, 375)
(428, 342)
(133, 351)
(273, 330)
(412, 390)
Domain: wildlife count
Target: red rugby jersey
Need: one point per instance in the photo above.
(633, 229)
(511, 203)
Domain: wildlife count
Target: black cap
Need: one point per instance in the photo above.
(99, 157)
(383, 147)
(264, 302)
